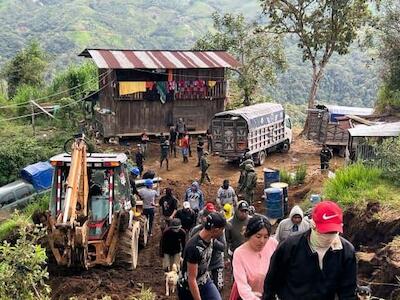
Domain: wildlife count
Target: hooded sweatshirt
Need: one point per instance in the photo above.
(195, 198)
(234, 231)
(287, 228)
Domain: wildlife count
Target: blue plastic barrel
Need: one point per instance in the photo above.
(284, 186)
(270, 176)
(315, 198)
(274, 202)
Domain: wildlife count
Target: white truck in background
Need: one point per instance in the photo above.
(257, 129)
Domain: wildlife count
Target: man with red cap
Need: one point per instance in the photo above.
(318, 264)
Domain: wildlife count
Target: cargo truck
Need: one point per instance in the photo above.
(257, 129)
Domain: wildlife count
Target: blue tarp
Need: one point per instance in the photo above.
(40, 175)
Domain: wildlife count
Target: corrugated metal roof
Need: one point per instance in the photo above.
(258, 114)
(387, 129)
(348, 110)
(94, 157)
(160, 59)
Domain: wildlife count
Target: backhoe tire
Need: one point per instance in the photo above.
(144, 231)
(128, 247)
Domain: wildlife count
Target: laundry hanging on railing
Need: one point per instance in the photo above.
(130, 87)
(162, 90)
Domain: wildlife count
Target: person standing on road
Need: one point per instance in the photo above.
(295, 224)
(226, 195)
(236, 226)
(133, 174)
(250, 183)
(149, 202)
(187, 216)
(318, 264)
(139, 158)
(172, 140)
(195, 197)
(325, 156)
(164, 149)
(204, 165)
(216, 266)
(200, 149)
(251, 260)
(185, 148)
(247, 160)
(144, 142)
(168, 206)
(172, 244)
(180, 128)
(195, 280)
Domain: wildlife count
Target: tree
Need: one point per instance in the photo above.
(260, 54)
(27, 67)
(323, 27)
(389, 94)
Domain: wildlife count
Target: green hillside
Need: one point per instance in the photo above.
(64, 28)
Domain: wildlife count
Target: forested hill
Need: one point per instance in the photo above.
(64, 28)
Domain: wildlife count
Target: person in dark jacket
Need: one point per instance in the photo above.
(187, 216)
(164, 150)
(204, 165)
(236, 226)
(318, 264)
(173, 136)
(172, 244)
(139, 157)
(168, 206)
(216, 266)
(200, 149)
(325, 156)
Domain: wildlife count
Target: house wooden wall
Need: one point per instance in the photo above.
(131, 114)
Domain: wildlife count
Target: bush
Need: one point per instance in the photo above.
(285, 176)
(22, 268)
(388, 158)
(300, 174)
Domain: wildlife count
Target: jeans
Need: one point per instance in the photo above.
(208, 291)
(149, 213)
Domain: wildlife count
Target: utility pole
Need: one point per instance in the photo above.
(33, 118)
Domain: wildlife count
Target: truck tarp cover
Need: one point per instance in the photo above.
(257, 115)
(40, 175)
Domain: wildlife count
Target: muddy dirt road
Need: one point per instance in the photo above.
(119, 283)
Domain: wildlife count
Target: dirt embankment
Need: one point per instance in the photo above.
(375, 235)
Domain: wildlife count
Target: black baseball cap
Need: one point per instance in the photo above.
(243, 205)
(216, 220)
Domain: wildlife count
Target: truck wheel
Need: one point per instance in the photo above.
(144, 231)
(285, 146)
(128, 247)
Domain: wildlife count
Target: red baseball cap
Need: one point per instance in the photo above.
(328, 217)
(210, 207)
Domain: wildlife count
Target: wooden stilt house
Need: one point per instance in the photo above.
(152, 89)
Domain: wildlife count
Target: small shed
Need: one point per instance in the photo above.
(152, 89)
(361, 136)
(328, 124)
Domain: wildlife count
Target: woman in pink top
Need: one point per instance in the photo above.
(251, 260)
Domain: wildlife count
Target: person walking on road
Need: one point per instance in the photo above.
(204, 165)
(185, 148)
(195, 197)
(216, 266)
(180, 128)
(164, 150)
(139, 158)
(236, 226)
(317, 264)
(168, 206)
(226, 195)
(251, 260)
(195, 280)
(247, 160)
(295, 224)
(200, 149)
(173, 136)
(325, 156)
(250, 183)
(172, 244)
(149, 195)
(144, 142)
(209, 141)
(187, 216)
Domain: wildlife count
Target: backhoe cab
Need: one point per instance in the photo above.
(87, 222)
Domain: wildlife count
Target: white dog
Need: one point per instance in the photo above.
(171, 280)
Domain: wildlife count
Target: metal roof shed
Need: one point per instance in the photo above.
(381, 130)
(336, 110)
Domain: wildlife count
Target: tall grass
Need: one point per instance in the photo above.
(300, 174)
(358, 184)
(284, 176)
